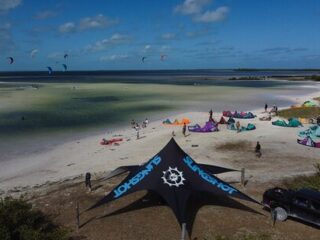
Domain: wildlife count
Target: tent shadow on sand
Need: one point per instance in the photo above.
(196, 201)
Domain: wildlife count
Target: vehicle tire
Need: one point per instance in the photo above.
(281, 214)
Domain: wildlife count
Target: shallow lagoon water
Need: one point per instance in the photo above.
(38, 116)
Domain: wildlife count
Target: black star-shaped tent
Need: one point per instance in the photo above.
(175, 176)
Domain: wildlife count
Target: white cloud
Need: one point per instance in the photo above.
(6, 5)
(98, 21)
(67, 27)
(34, 52)
(114, 57)
(6, 41)
(45, 15)
(56, 55)
(168, 36)
(164, 48)
(212, 16)
(87, 23)
(189, 7)
(147, 48)
(107, 42)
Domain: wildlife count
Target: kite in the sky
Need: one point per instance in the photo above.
(33, 53)
(65, 67)
(50, 71)
(11, 60)
(143, 58)
(163, 57)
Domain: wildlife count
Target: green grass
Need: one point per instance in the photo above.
(314, 78)
(312, 181)
(246, 78)
(302, 112)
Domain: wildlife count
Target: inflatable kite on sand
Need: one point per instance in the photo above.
(111, 141)
(293, 122)
(309, 142)
(222, 121)
(176, 122)
(249, 127)
(243, 115)
(208, 127)
(313, 131)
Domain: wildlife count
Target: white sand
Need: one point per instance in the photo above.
(282, 156)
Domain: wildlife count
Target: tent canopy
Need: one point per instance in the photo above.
(175, 176)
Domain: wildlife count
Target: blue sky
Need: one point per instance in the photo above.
(113, 34)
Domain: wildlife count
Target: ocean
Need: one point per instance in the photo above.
(38, 111)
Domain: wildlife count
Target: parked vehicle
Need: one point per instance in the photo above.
(303, 204)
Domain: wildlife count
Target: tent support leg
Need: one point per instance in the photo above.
(243, 176)
(183, 231)
(77, 216)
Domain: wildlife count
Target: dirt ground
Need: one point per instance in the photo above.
(141, 216)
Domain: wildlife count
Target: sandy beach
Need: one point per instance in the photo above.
(281, 157)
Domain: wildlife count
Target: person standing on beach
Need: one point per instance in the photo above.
(258, 150)
(184, 129)
(266, 107)
(145, 123)
(238, 126)
(137, 127)
(88, 181)
(133, 123)
(210, 115)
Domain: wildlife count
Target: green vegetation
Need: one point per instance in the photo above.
(312, 181)
(302, 112)
(18, 221)
(246, 78)
(313, 78)
(317, 98)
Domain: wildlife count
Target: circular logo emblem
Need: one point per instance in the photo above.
(173, 177)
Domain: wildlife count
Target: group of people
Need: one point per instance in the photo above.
(136, 126)
(273, 110)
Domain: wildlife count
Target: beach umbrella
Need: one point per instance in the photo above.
(175, 176)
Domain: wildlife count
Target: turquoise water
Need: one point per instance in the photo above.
(38, 116)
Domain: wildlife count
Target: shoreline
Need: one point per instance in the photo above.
(72, 159)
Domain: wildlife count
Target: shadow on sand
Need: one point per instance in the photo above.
(196, 201)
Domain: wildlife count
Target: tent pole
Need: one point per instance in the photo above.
(77, 216)
(183, 231)
(243, 176)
